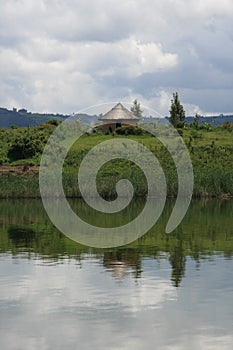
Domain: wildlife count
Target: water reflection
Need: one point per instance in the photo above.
(206, 230)
(121, 263)
(162, 291)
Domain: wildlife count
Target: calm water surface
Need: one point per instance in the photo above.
(161, 292)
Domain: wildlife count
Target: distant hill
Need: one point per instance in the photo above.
(215, 120)
(23, 118)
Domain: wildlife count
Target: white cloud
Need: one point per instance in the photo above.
(64, 74)
(64, 55)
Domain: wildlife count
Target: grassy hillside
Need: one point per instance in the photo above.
(211, 152)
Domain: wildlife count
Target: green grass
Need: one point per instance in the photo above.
(211, 152)
(19, 186)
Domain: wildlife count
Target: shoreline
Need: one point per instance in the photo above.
(22, 182)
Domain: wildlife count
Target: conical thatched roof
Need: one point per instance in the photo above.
(119, 112)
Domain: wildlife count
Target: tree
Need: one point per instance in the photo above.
(177, 112)
(136, 109)
(196, 121)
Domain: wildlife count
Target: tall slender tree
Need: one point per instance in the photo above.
(177, 112)
(196, 121)
(136, 109)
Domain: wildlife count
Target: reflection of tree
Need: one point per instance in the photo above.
(49, 244)
(177, 260)
(22, 236)
(122, 262)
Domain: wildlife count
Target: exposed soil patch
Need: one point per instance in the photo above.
(18, 169)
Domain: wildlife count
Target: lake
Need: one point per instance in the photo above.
(163, 291)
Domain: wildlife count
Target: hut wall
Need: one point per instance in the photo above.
(106, 126)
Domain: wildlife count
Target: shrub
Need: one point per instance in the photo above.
(53, 122)
(24, 147)
(14, 126)
(228, 126)
(180, 131)
(129, 130)
(206, 126)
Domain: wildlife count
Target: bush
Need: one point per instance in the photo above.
(206, 126)
(228, 126)
(14, 126)
(129, 130)
(24, 147)
(180, 131)
(53, 122)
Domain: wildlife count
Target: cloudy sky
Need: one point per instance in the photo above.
(65, 55)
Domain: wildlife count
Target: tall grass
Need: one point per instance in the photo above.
(19, 186)
(211, 153)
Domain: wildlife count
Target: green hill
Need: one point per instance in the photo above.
(23, 118)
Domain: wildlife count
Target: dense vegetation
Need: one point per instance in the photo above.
(211, 151)
(24, 144)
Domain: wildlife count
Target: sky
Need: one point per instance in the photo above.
(62, 56)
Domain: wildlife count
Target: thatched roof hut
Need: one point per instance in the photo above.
(118, 116)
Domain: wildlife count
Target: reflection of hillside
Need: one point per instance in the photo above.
(22, 212)
(4, 221)
(207, 229)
